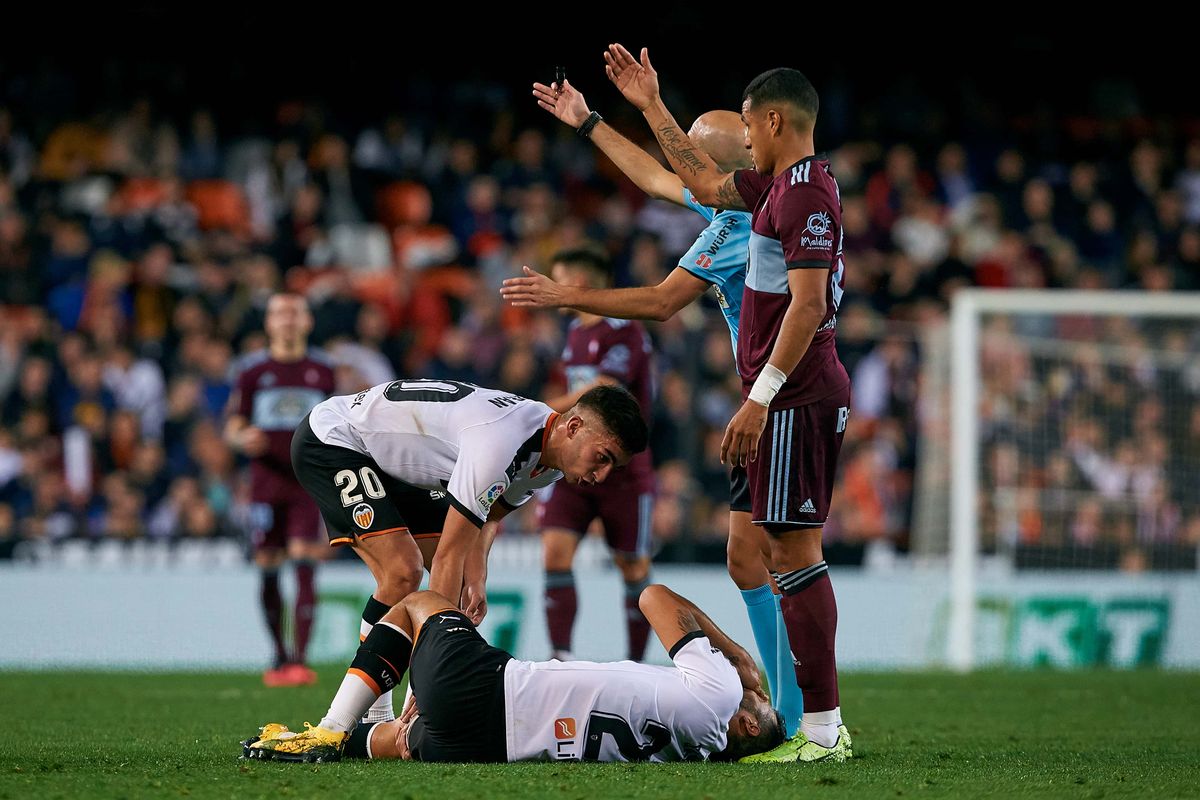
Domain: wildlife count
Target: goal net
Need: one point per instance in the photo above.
(1060, 438)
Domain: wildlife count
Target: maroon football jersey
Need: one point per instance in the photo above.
(275, 396)
(796, 224)
(621, 349)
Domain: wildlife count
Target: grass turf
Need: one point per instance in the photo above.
(998, 734)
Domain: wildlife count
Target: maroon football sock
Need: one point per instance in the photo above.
(636, 622)
(272, 604)
(561, 605)
(306, 601)
(810, 614)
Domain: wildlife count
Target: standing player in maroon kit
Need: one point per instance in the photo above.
(599, 350)
(273, 393)
(795, 387)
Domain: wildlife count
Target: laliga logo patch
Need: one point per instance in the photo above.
(363, 515)
(488, 497)
(818, 224)
(564, 728)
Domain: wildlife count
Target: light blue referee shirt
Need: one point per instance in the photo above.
(719, 257)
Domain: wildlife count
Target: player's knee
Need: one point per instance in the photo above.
(398, 582)
(306, 551)
(633, 567)
(745, 564)
(796, 549)
(269, 559)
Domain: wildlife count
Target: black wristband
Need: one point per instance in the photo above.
(585, 130)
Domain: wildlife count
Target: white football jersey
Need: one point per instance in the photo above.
(622, 711)
(478, 445)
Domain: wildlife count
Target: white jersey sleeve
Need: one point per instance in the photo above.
(707, 676)
(486, 469)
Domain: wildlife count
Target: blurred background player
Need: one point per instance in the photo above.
(273, 392)
(718, 259)
(599, 350)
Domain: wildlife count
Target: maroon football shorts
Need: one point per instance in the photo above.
(791, 481)
(624, 507)
(275, 524)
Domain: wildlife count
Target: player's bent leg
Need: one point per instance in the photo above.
(561, 600)
(381, 741)
(396, 563)
(379, 665)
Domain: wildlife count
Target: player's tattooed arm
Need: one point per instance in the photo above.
(673, 616)
(637, 80)
(729, 197)
(679, 149)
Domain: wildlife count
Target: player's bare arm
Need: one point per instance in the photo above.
(638, 83)
(660, 302)
(474, 593)
(459, 537)
(673, 616)
(567, 104)
(804, 313)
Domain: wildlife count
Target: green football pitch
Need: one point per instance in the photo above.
(995, 734)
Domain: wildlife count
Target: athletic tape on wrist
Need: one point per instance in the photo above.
(767, 385)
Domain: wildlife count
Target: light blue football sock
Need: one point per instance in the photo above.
(762, 609)
(790, 700)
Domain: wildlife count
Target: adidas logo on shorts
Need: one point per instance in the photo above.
(808, 507)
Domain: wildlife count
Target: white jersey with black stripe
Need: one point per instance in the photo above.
(621, 711)
(479, 445)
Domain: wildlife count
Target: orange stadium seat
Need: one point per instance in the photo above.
(220, 205)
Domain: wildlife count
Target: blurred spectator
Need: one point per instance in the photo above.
(138, 246)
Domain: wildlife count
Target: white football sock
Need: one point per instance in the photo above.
(353, 697)
(822, 726)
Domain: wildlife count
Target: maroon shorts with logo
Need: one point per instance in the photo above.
(791, 481)
(624, 507)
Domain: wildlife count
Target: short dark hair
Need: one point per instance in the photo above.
(783, 85)
(771, 733)
(618, 409)
(589, 257)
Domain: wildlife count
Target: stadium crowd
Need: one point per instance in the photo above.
(138, 249)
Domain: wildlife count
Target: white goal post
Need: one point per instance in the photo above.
(968, 310)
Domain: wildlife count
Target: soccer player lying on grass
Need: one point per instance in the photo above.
(478, 703)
